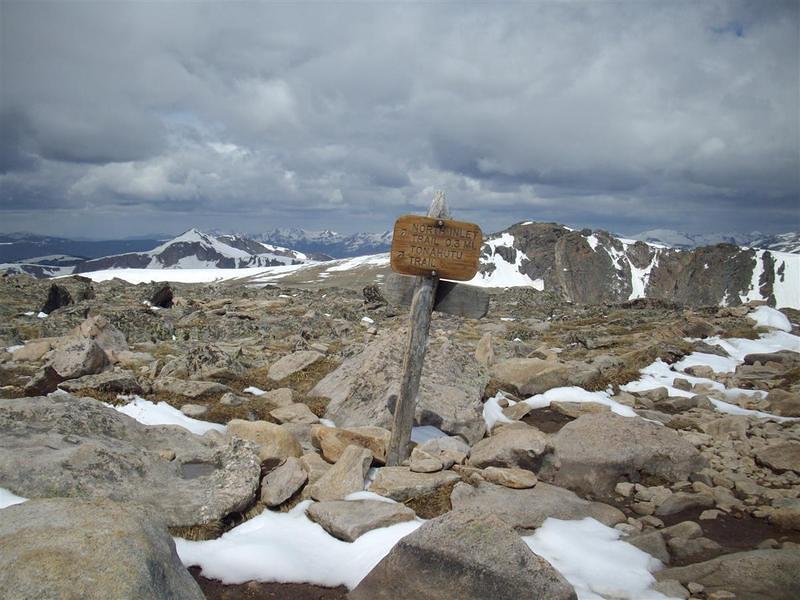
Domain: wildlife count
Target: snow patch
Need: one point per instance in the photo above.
(580, 395)
(8, 498)
(290, 548)
(764, 316)
(493, 412)
(505, 274)
(595, 561)
(162, 413)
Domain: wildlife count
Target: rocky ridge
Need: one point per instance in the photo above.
(699, 485)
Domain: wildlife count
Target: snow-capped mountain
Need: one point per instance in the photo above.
(782, 242)
(329, 242)
(592, 267)
(194, 249)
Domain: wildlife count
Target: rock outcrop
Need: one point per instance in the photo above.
(61, 446)
(95, 549)
(363, 390)
(470, 555)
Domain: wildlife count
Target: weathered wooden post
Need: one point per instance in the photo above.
(429, 248)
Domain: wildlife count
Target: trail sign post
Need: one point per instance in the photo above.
(429, 248)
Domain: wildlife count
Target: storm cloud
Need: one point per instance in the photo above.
(120, 118)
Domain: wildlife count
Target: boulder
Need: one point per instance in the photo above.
(343, 478)
(162, 296)
(294, 413)
(573, 410)
(450, 450)
(332, 441)
(195, 411)
(78, 356)
(273, 441)
(314, 465)
(519, 446)
(461, 555)
(205, 362)
(43, 382)
(781, 402)
(535, 376)
(105, 335)
(349, 520)
(527, 509)
(363, 390)
(293, 363)
(653, 543)
(57, 297)
(691, 550)
(596, 451)
(531, 375)
(67, 446)
(280, 397)
(422, 462)
(752, 575)
(98, 549)
(283, 481)
(33, 350)
(681, 501)
(786, 514)
(401, 484)
(192, 390)
(781, 457)
(518, 479)
(112, 382)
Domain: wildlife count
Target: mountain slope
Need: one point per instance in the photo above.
(194, 249)
(595, 267)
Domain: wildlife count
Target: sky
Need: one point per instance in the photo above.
(122, 119)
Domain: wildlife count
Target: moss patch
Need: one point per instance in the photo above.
(434, 504)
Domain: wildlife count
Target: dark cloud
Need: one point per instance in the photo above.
(623, 115)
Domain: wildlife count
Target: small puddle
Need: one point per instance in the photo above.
(193, 470)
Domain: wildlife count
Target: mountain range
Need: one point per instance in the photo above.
(581, 266)
(331, 243)
(782, 242)
(594, 267)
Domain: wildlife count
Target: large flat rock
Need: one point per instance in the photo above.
(96, 549)
(402, 484)
(364, 388)
(526, 509)
(464, 555)
(61, 445)
(597, 450)
(350, 519)
(752, 575)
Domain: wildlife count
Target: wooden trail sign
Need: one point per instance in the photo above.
(420, 247)
(432, 246)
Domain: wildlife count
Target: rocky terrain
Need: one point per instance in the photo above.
(233, 427)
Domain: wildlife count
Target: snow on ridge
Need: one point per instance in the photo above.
(370, 260)
(505, 274)
(641, 277)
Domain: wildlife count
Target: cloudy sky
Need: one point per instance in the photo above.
(128, 118)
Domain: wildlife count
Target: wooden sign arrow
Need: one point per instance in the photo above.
(451, 298)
